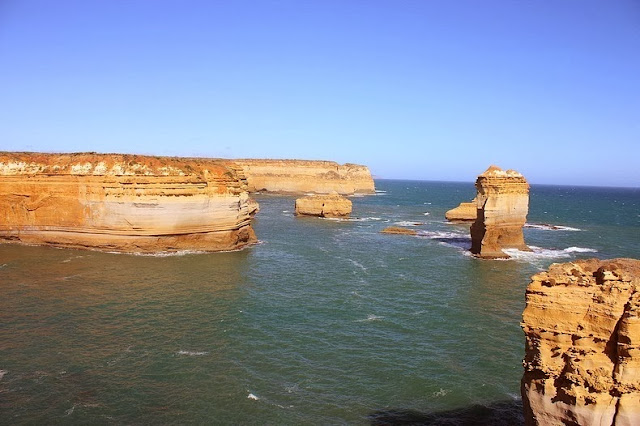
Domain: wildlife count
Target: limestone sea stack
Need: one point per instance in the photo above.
(124, 203)
(306, 176)
(502, 206)
(333, 205)
(582, 351)
(465, 212)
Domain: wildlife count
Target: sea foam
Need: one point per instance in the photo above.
(192, 353)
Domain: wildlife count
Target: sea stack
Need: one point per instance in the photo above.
(333, 205)
(582, 352)
(502, 202)
(306, 176)
(123, 203)
(465, 212)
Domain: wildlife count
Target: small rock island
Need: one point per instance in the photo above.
(333, 206)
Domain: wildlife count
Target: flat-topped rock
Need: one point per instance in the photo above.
(502, 203)
(306, 176)
(399, 230)
(465, 212)
(582, 352)
(125, 203)
(324, 206)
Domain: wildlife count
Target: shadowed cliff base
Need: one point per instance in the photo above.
(501, 413)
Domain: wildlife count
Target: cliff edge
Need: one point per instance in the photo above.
(125, 203)
(306, 176)
(582, 352)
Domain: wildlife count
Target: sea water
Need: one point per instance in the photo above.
(323, 322)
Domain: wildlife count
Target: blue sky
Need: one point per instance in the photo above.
(424, 89)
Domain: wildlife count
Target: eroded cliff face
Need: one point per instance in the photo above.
(502, 206)
(306, 176)
(128, 203)
(324, 206)
(582, 353)
(465, 212)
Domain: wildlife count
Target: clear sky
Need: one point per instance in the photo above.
(415, 89)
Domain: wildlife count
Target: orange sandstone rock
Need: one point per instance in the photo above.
(502, 207)
(127, 203)
(465, 212)
(306, 176)
(324, 206)
(582, 352)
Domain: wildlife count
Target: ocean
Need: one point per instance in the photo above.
(323, 322)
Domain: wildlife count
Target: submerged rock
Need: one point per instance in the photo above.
(399, 230)
(582, 352)
(324, 206)
(502, 207)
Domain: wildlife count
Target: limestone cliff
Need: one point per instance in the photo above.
(128, 203)
(502, 206)
(323, 206)
(465, 212)
(582, 353)
(306, 176)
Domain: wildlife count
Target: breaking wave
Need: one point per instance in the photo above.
(548, 227)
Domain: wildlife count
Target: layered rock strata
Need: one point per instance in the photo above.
(306, 176)
(582, 353)
(502, 202)
(324, 206)
(126, 203)
(465, 212)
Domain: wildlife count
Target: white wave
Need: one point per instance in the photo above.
(379, 191)
(443, 235)
(253, 397)
(408, 223)
(358, 264)
(542, 253)
(286, 211)
(192, 353)
(427, 213)
(580, 250)
(548, 227)
(167, 253)
(441, 392)
(3, 265)
(371, 317)
(353, 219)
(514, 396)
(2, 373)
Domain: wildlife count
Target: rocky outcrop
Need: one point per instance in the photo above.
(324, 206)
(306, 176)
(125, 203)
(399, 230)
(582, 353)
(502, 206)
(465, 212)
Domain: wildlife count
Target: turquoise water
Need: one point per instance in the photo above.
(324, 322)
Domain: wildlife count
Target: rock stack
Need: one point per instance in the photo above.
(502, 202)
(334, 205)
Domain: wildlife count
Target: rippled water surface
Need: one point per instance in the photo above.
(324, 322)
